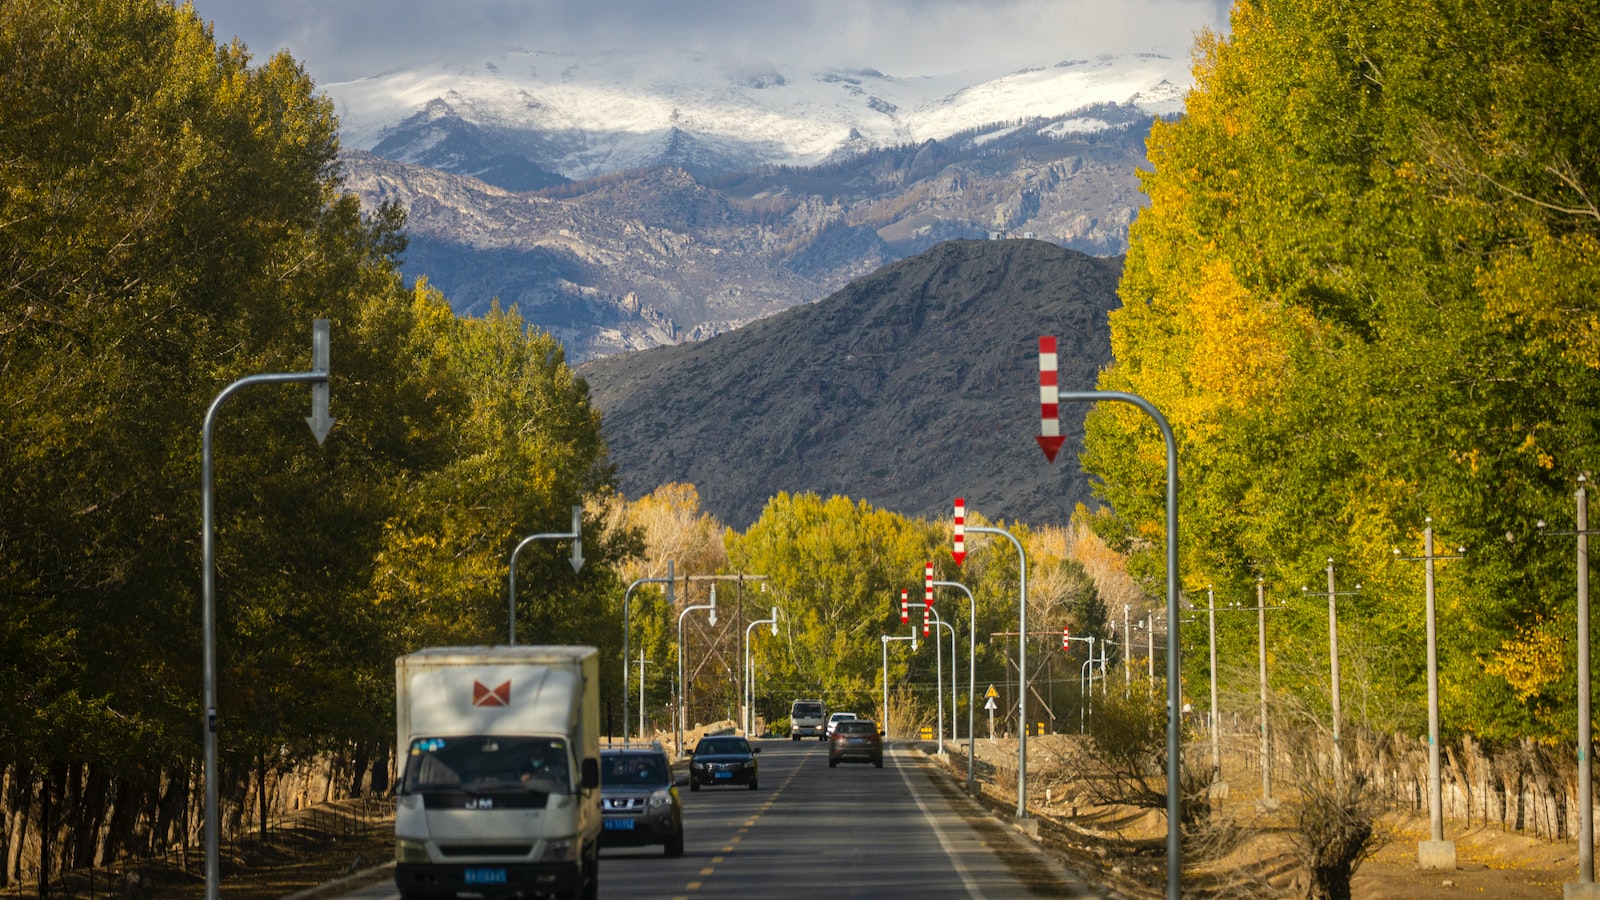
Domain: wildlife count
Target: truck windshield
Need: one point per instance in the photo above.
(806, 711)
(484, 762)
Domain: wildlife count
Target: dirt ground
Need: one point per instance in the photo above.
(1126, 847)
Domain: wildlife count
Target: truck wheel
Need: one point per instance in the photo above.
(822, 737)
(795, 737)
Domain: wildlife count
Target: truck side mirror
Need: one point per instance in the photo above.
(590, 777)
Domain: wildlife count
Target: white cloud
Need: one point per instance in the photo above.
(343, 39)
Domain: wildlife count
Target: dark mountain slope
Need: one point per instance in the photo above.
(908, 388)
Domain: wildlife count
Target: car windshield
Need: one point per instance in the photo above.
(482, 762)
(723, 745)
(622, 769)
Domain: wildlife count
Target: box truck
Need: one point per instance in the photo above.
(498, 793)
(806, 719)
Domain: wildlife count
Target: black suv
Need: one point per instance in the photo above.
(639, 802)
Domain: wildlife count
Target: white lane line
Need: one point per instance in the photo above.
(949, 850)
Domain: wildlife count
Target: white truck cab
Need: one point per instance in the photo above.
(499, 785)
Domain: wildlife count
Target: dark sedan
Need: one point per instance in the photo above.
(857, 739)
(723, 760)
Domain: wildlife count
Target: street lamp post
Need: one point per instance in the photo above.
(627, 631)
(1435, 853)
(576, 536)
(749, 679)
(1050, 397)
(1584, 887)
(683, 687)
(321, 423)
(972, 674)
(886, 639)
(939, 677)
(642, 662)
(1022, 667)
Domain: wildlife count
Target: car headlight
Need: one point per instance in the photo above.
(409, 851)
(560, 851)
(660, 798)
(750, 764)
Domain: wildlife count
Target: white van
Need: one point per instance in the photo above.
(499, 788)
(806, 719)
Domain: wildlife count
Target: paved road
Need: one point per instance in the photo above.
(851, 832)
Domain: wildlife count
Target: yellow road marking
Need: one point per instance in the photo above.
(716, 859)
(707, 870)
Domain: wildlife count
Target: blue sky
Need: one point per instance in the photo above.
(338, 40)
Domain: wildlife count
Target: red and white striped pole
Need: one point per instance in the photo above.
(1066, 637)
(927, 585)
(926, 621)
(960, 552)
(905, 607)
(1050, 438)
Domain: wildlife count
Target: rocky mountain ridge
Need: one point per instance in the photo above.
(911, 386)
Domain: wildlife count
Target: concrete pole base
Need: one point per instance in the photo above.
(1580, 890)
(1030, 827)
(1440, 855)
(1267, 805)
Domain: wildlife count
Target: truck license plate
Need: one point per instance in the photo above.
(486, 876)
(619, 824)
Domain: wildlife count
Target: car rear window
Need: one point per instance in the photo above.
(855, 727)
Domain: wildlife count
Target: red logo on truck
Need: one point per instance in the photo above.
(487, 696)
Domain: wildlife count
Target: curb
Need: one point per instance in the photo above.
(1023, 835)
(342, 884)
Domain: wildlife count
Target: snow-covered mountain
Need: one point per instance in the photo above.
(622, 203)
(528, 119)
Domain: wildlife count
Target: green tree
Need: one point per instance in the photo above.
(1359, 296)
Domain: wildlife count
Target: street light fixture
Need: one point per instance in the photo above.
(576, 536)
(886, 639)
(1435, 853)
(683, 685)
(321, 423)
(1022, 668)
(972, 675)
(749, 678)
(627, 631)
(939, 676)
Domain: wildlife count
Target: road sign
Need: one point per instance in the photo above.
(991, 693)
(990, 705)
(1050, 438)
(960, 551)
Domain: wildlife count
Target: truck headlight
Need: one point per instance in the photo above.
(560, 851)
(409, 851)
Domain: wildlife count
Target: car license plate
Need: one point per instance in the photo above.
(486, 876)
(855, 740)
(619, 824)
(724, 774)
